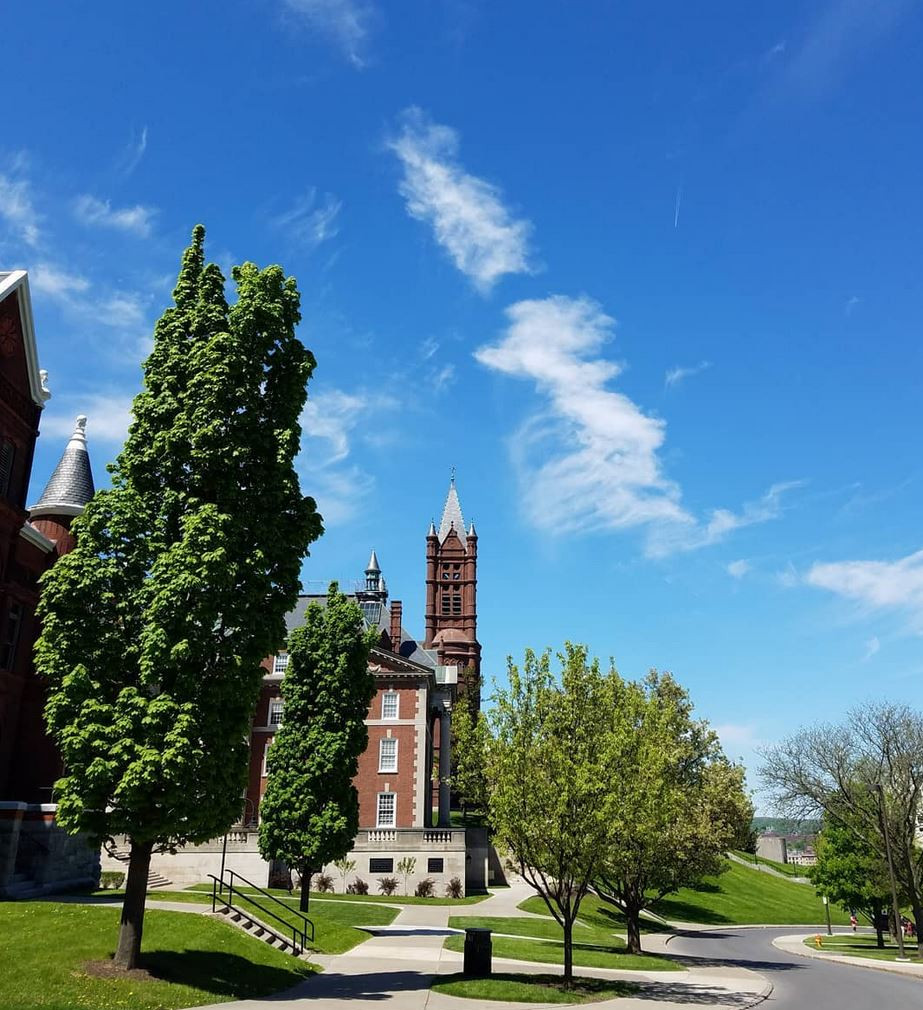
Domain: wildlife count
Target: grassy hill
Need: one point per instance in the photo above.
(740, 896)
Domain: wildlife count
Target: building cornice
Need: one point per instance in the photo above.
(17, 281)
(35, 537)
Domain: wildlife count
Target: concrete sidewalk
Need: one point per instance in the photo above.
(795, 944)
(399, 963)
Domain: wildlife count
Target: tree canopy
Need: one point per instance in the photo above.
(154, 626)
(309, 814)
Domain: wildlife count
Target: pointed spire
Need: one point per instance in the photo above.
(452, 514)
(431, 532)
(71, 486)
(373, 565)
(472, 532)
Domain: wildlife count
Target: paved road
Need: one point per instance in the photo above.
(800, 983)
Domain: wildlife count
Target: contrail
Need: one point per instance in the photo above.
(679, 200)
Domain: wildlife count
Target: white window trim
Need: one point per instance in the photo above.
(279, 668)
(378, 820)
(381, 748)
(397, 705)
(275, 705)
(263, 772)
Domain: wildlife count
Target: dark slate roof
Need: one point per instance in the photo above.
(71, 486)
(409, 648)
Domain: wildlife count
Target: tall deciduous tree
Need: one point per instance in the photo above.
(154, 626)
(470, 742)
(309, 814)
(674, 802)
(545, 767)
(865, 776)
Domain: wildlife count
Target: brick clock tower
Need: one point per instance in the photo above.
(451, 594)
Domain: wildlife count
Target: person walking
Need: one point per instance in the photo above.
(853, 920)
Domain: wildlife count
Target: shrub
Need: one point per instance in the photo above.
(111, 878)
(454, 888)
(387, 885)
(426, 888)
(358, 886)
(324, 883)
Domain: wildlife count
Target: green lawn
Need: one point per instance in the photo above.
(532, 988)
(789, 869)
(863, 945)
(608, 955)
(374, 899)
(540, 929)
(193, 960)
(741, 895)
(334, 921)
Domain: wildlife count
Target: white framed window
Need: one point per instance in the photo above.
(387, 754)
(387, 810)
(280, 663)
(265, 757)
(275, 711)
(389, 705)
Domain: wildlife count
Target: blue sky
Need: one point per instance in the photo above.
(648, 275)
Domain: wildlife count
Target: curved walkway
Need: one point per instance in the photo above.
(399, 963)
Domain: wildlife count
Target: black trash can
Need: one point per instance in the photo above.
(478, 952)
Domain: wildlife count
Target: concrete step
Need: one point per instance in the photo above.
(259, 930)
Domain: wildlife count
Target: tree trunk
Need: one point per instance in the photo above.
(633, 922)
(129, 949)
(568, 952)
(876, 922)
(305, 894)
(917, 910)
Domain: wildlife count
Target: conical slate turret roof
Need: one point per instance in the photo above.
(452, 515)
(71, 486)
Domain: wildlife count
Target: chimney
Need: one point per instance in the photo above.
(396, 613)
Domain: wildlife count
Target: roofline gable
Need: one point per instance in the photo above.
(17, 282)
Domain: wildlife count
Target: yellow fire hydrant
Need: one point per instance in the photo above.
(818, 941)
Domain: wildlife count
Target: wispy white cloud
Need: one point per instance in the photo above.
(17, 208)
(850, 305)
(329, 425)
(442, 377)
(123, 310)
(108, 416)
(347, 23)
(590, 459)
(428, 348)
(56, 282)
(309, 222)
(843, 32)
(876, 585)
(131, 156)
(467, 214)
(734, 734)
(871, 647)
(93, 212)
(675, 376)
(738, 569)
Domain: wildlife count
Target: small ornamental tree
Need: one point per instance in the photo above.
(546, 785)
(405, 867)
(674, 803)
(309, 814)
(470, 741)
(154, 626)
(851, 873)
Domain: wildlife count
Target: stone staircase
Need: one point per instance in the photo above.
(154, 879)
(250, 924)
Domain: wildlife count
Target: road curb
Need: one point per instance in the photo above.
(844, 959)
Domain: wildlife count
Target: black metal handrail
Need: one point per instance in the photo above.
(305, 935)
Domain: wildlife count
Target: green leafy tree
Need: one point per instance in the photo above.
(851, 873)
(405, 868)
(154, 626)
(545, 769)
(674, 803)
(865, 775)
(309, 814)
(470, 742)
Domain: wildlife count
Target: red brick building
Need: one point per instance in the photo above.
(34, 856)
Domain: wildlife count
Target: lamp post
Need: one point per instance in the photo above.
(882, 814)
(827, 910)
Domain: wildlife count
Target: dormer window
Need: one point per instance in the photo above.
(280, 663)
